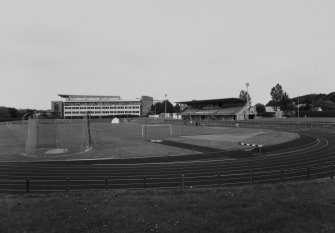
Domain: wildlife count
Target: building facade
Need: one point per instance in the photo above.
(217, 109)
(146, 102)
(57, 109)
(99, 106)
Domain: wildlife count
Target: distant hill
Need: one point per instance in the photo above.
(312, 102)
(308, 99)
(325, 101)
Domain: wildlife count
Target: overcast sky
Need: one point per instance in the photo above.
(187, 49)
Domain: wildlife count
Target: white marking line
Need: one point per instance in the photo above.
(156, 141)
(248, 144)
(164, 163)
(318, 140)
(223, 137)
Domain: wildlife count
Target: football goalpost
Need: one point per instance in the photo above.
(52, 137)
(156, 129)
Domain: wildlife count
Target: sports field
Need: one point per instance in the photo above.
(125, 140)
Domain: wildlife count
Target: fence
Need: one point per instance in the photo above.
(182, 181)
(257, 124)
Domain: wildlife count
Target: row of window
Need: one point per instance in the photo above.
(103, 112)
(100, 103)
(109, 107)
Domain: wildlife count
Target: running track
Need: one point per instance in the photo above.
(310, 157)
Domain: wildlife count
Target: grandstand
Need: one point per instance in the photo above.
(100, 106)
(217, 109)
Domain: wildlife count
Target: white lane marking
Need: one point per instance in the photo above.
(318, 142)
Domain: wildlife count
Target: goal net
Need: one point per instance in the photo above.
(157, 130)
(47, 137)
(40, 134)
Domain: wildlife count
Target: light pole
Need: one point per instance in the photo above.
(247, 95)
(248, 103)
(165, 104)
(298, 110)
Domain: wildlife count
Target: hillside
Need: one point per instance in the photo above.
(314, 98)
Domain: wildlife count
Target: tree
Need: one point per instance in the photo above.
(270, 103)
(325, 104)
(159, 107)
(14, 113)
(308, 100)
(4, 113)
(285, 102)
(276, 95)
(331, 96)
(260, 108)
(244, 95)
(176, 108)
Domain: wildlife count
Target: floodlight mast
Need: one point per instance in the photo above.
(298, 112)
(165, 104)
(247, 95)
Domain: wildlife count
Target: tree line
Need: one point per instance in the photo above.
(311, 102)
(13, 113)
(159, 108)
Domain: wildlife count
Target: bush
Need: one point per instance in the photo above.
(316, 113)
(268, 114)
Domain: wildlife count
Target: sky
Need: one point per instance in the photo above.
(185, 49)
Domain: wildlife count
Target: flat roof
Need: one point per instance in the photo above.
(102, 101)
(86, 96)
(213, 101)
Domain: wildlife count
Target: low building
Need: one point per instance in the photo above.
(271, 109)
(217, 109)
(100, 106)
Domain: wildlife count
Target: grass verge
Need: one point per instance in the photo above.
(290, 207)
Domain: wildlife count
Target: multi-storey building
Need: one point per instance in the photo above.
(100, 106)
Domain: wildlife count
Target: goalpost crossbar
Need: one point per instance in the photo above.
(144, 128)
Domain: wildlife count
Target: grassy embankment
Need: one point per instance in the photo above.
(292, 207)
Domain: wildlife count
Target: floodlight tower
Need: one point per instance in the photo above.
(298, 110)
(165, 104)
(247, 95)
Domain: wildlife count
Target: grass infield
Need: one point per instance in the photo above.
(125, 140)
(305, 207)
